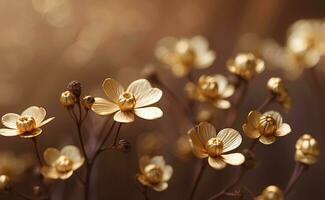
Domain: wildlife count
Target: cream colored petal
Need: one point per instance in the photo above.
(283, 130)
(38, 113)
(49, 172)
(217, 163)
(197, 146)
(275, 115)
(139, 87)
(34, 133)
(124, 117)
(158, 161)
(160, 187)
(51, 155)
(168, 172)
(222, 104)
(254, 118)
(205, 59)
(73, 153)
(149, 113)
(143, 162)
(180, 70)
(142, 179)
(233, 158)
(222, 82)
(199, 43)
(148, 97)
(66, 175)
(267, 140)
(231, 139)
(104, 107)
(250, 131)
(9, 132)
(9, 120)
(45, 121)
(112, 89)
(229, 90)
(260, 66)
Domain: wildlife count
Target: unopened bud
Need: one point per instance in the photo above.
(124, 146)
(75, 88)
(87, 102)
(68, 99)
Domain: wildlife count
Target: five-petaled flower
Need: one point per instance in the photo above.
(207, 143)
(154, 173)
(183, 55)
(61, 164)
(277, 88)
(213, 89)
(265, 126)
(307, 150)
(271, 192)
(129, 102)
(26, 125)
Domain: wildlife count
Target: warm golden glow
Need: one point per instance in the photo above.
(267, 125)
(126, 102)
(63, 164)
(307, 150)
(26, 124)
(214, 147)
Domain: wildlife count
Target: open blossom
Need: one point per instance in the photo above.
(61, 164)
(277, 88)
(245, 65)
(127, 103)
(212, 89)
(266, 127)
(307, 150)
(183, 55)
(154, 173)
(271, 192)
(27, 125)
(207, 143)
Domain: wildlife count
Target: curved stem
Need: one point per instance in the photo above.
(267, 102)
(34, 139)
(296, 174)
(197, 179)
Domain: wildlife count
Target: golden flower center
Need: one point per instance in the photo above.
(63, 164)
(154, 175)
(209, 87)
(25, 124)
(185, 53)
(214, 147)
(267, 125)
(126, 102)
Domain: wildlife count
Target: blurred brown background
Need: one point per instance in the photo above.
(44, 44)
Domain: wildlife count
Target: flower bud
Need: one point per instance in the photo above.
(68, 99)
(87, 102)
(5, 183)
(75, 88)
(124, 145)
(307, 150)
(272, 192)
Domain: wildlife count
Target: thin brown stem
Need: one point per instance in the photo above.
(145, 193)
(197, 179)
(20, 195)
(35, 143)
(266, 103)
(296, 174)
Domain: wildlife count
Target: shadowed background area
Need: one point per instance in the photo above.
(44, 44)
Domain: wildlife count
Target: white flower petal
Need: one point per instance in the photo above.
(9, 120)
(148, 112)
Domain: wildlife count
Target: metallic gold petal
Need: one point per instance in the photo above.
(222, 82)
(231, 139)
(149, 113)
(45, 121)
(160, 187)
(9, 132)
(112, 89)
(283, 130)
(197, 146)
(229, 90)
(143, 162)
(38, 113)
(205, 132)
(254, 118)
(51, 155)
(138, 87)
(73, 153)
(250, 131)
(49, 172)
(233, 158)
(260, 66)
(276, 116)
(267, 140)
(168, 172)
(124, 117)
(66, 175)
(148, 97)
(222, 104)
(34, 133)
(217, 163)
(9, 120)
(104, 107)
(142, 179)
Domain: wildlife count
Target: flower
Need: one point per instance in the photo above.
(5, 183)
(68, 99)
(129, 102)
(245, 65)
(87, 102)
(277, 88)
(26, 125)
(182, 55)
(61, 164)
(213, 89)
(265, 126)
(183, 149)
(154, 173)
(271, 192)
(307, 150)
(206, 143)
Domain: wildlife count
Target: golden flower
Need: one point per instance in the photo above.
(182, 55)
(276, 86)
(213, 89)
(271, 192)
(150, 143)
(129, 102)
(245, 65)
(183, 149)
(68, 99)
(154, 173)
(61, 164)
(206, 143)
(5, 182)
(87, 102)
(307, 150)
(26, 125)
(266, 126)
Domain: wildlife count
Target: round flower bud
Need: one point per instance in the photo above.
(75, 88)
(124, 146)
(307, 150)
(87, 102)
(272, 192)
(68, 99)
(5, 183)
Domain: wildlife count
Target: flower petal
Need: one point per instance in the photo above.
(51, 155)
(9, 120)
(234, 158)
(104, 107)
(148, 97)
(74, 155)
(45, 121)
(124, 117)
(205, 132)
(222, 104)
(34, 133)
(250, 131)
(112, 89)
(38, 113)
(149, 113)
(283, 130)
(217, 163)
(254, 118)
(138, 87)
(143, 162)
(229, 90)
(275, 115)
(49, 172)
(267, 140)
(158, 161)
(231, 139)
(160, 187)
(168, 172)
(204, 59)
(197, 146)
(9, 132)
(66, 175)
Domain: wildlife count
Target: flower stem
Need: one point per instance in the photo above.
(197, 179)
(20, 195)
(145, 193)
(296, 174)
(34, 139)
(266, 103)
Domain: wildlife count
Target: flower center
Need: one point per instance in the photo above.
(63, 164)
(267, 125)
(185, 52)
(208, 86)
(214, 147)
(154, 175)
(25, 124)
(126, 102)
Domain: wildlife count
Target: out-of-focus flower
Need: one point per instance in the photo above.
(271, 192)
(245, 65)
(68, 99)
(87, 102)
(183, 55)
(154, 173)
(183, 149)
(207, 143)
(5, 183)
(129, 102)
(150, 143)
(307, 150)
(61, 164)
(277, 88)
(212, 89)
(267, 126)
(205, 115)
(26, 125)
